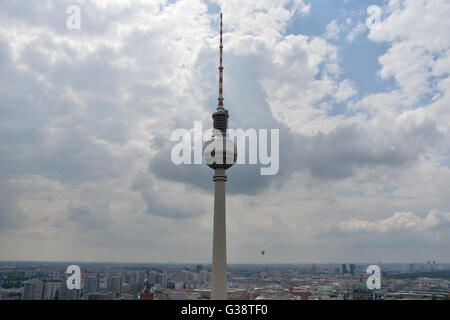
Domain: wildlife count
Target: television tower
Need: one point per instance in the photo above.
(220, 154)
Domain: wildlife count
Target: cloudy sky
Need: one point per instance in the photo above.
(86, 117)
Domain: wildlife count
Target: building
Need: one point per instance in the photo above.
(352, 269)
(361, 292)
(161, 279)
(91, 284)
(344, 269)
(8, 294)
(145, 295)
(412, 267)
(328, 293)
(138, 279)
(66, 293)
(50, 289)
(115, 285)
(204, 278)
(179, 285)
(33, 289)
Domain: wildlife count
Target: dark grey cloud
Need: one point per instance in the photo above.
(163, 203)
(337, 154)
(331, 156)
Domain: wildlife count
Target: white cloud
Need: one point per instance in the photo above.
(416, 22)
(332, 30)
(420, 45)
(357, 30)
(399, 221)
(345, 91)
(301, 76)
(303, 7)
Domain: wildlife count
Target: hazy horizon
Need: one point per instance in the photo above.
(229, 263)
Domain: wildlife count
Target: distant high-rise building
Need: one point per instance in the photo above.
(152, 277)
(157, 277)
(205, 278)
(412, 267)
(313, 268)
(199, 268)
(91, 284)
(344, 269)
(49, 291)
(140, 278)
(33, 289)
(161, 279)
(179, 285)
(66, 293)
(115, 284)
(352, 269)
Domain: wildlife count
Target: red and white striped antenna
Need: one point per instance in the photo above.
(220, 106)
(220, 117)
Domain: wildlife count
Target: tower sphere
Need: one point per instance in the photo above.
(220, 152)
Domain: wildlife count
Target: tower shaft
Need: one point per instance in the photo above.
(219, 254)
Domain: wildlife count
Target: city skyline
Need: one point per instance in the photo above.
(361, 105)
(208, 263)
(94, 281)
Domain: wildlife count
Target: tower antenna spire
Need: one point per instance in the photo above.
(220, 105)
